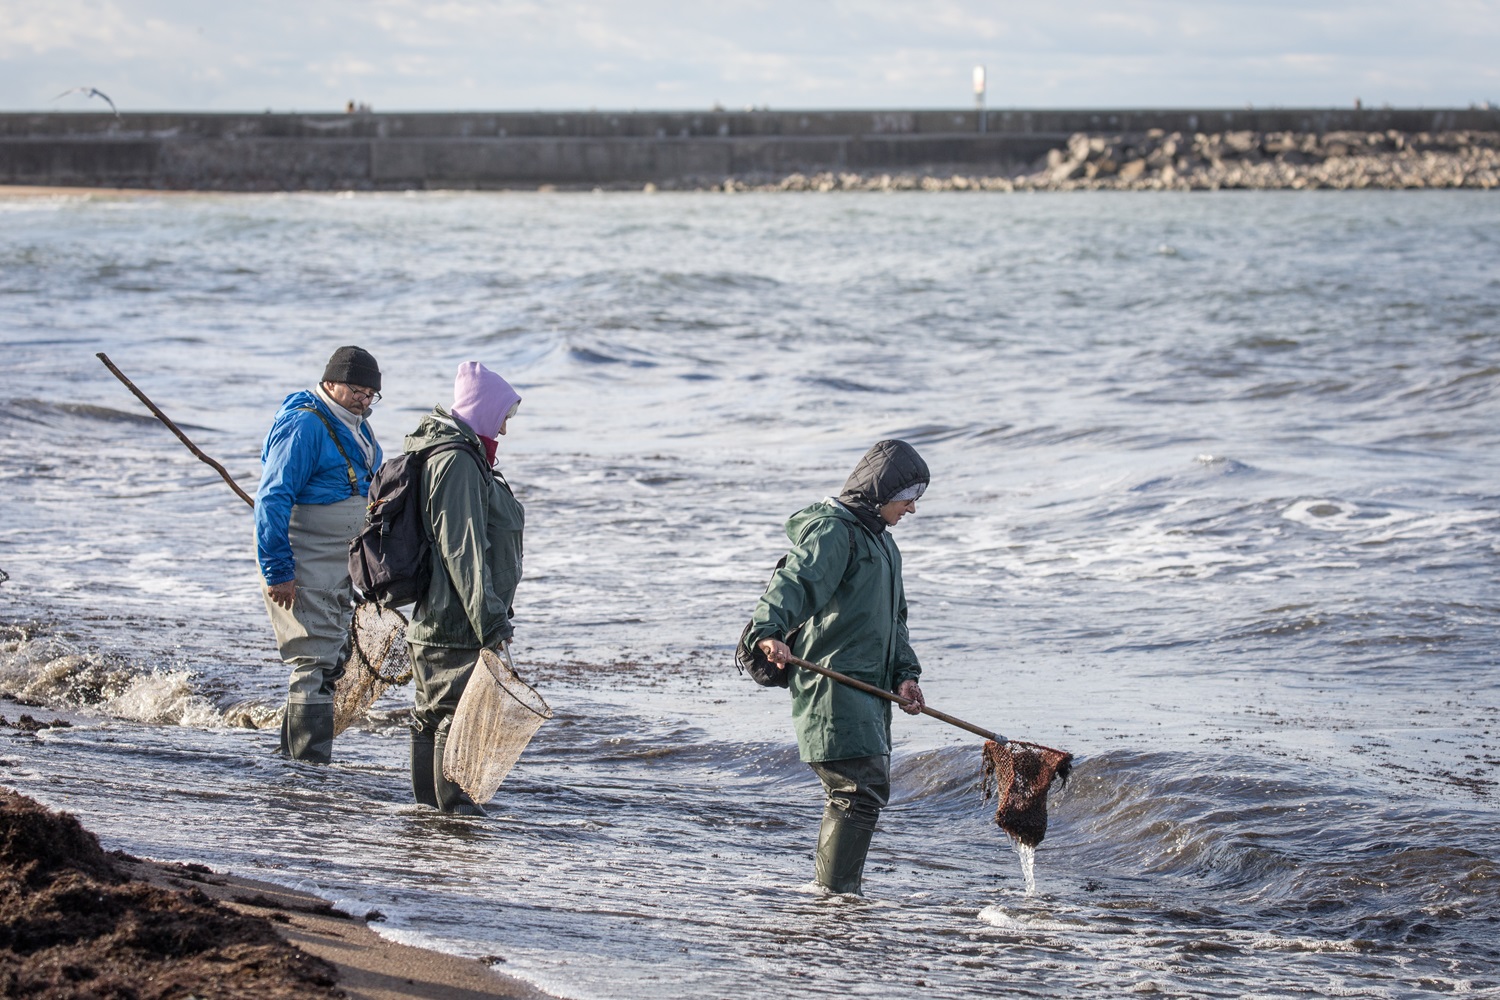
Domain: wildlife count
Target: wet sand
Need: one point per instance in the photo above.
(369, 966)
(62, 191)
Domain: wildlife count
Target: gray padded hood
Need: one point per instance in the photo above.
(888, 468)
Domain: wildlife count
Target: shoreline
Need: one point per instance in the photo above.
(82, 191)
(370, 967)
(163, 925)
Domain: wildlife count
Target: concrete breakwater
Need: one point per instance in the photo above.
(844, 150)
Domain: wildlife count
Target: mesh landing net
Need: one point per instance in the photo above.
(1021, 773)
(497, 716)
(377, 661)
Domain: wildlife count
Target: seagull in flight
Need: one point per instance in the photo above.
(91, 92)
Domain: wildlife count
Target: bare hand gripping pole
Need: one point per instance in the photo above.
(175, 429)
(888, 696)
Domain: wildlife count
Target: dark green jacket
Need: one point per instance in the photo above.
(855, 609)
(476, 526)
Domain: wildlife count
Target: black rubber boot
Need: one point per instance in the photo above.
(841, 855)
(422, 750)
(450, 797)
(307, 732)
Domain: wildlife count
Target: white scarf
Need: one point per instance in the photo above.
(354, 422)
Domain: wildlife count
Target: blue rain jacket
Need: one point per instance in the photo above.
(300, 464)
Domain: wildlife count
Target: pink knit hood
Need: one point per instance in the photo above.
(482, 399)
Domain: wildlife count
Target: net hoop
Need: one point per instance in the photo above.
(394, 623)
(377, 661)
(496, 718)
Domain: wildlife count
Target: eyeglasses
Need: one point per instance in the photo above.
(361, 392)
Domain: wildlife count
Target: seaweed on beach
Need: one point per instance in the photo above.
(1021, 775)
(74, 926)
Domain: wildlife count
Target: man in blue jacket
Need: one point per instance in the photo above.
(316, 468)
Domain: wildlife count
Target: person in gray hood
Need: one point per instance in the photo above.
(838, 601)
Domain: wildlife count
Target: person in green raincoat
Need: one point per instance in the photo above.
(837, 600)
(476, 526)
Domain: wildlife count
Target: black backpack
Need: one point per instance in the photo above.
(750, 660)
(390, 559)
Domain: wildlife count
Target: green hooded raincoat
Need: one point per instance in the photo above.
(476, 526)
(844, 582)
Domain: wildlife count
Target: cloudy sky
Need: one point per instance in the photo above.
(402, 55)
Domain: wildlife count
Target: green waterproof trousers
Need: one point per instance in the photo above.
(855, 790)
(440, 675)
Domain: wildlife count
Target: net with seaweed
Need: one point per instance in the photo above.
(496, 718)
(1021, 774)
(377, 661)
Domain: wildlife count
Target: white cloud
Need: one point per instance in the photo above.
(63, 26)
(514, 54)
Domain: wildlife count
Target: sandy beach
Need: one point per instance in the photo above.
(170, 929)
(59, 191)
(369, 966)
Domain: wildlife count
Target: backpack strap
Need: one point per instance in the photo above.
(748, 660)
(847, 566)
(348, 465)
(853, 536)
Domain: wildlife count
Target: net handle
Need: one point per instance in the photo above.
(175, 429)
(888, 696)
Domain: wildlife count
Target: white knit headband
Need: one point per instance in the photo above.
(912, 492)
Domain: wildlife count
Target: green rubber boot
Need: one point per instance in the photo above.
(307, 732)
(841, 855)
(450, 797)
(422, 752)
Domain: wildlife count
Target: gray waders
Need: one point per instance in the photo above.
(307, 733)
(855, 791)
(440, 675)
(313, 637)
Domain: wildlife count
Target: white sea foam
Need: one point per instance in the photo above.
(48, 672)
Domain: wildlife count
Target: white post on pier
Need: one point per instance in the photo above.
(979, 96)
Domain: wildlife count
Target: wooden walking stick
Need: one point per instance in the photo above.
(175, 429)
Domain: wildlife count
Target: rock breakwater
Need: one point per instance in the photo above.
(1174, 161)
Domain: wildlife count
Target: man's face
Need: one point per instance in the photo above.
(357, 399)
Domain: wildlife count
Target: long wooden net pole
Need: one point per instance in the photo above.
(888, 696)
(175, 429)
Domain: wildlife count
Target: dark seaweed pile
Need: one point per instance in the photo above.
(1021, 774)
(74, 927)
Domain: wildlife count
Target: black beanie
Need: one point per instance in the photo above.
(353, 365)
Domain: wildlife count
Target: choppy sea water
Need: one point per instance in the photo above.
(1214, 506)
